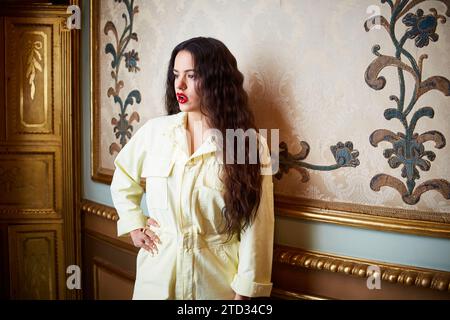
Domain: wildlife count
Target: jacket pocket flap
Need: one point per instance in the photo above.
(161, 167)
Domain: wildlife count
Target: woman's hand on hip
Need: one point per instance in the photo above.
(145, 238)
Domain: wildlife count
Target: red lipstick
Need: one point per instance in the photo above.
(182, 98)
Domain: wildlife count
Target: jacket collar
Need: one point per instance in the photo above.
(177, 131)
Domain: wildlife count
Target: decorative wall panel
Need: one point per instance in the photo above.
(296, 272)
(110, 282)
(304, 64)
(408, 147)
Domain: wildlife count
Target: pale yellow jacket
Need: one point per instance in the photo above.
(184, 194)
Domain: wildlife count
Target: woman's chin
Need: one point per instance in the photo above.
(186, 107)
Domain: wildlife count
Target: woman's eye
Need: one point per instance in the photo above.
(175, 76)
(191, 76)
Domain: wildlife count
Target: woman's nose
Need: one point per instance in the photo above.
(181, 84)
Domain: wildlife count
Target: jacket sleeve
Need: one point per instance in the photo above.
(253, 278)
(126, 190)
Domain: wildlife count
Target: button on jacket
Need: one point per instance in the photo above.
(184, 194)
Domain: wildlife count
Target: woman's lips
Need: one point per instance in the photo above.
(182, 98)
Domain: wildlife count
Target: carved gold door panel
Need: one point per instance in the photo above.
(30, 182)
(36, 196)
(32, 79)
(34, 256)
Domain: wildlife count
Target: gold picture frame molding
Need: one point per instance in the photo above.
(361, 216)
(99, 174)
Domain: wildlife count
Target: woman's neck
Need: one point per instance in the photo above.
(196, 126)
(196, 120)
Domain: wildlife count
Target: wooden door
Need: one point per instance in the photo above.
(36, 154)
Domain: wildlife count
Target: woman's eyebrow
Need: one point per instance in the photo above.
(175, 70)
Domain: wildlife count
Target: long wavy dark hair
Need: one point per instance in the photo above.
(224, 103)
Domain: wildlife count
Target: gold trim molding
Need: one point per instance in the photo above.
(90, 207)
(396, 274)
(98, 173)
(298, 258)
(361, 216)
(36, 9)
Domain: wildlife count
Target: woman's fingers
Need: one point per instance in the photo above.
(145, 246)
(152, 222)
(149, 240)
(142, 240)
(149, 246)
(153, 236)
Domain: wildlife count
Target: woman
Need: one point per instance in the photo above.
(210, 235)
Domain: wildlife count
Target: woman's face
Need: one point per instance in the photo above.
(185, 82)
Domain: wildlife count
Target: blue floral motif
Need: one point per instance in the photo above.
(422, 28)
(408, 150)
(122, 126)
(343, 153)
(131, 59)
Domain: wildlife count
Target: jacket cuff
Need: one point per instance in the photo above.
(124, 226)
(248, 288)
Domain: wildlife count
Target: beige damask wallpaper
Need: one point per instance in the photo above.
(305, 64)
